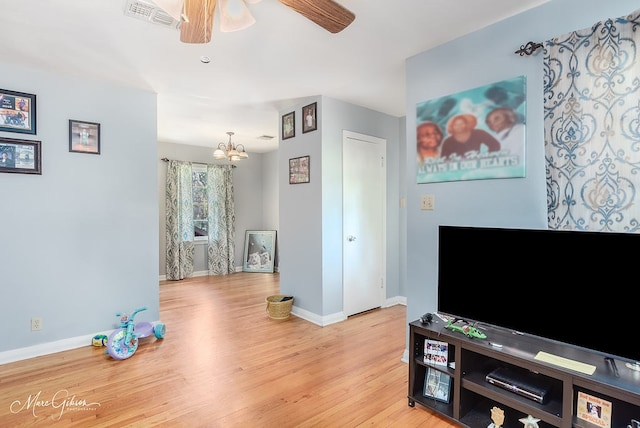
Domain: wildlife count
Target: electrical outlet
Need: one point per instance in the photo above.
(427, 202)
(36, 324)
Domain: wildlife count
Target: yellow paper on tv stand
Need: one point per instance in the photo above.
(566, 363)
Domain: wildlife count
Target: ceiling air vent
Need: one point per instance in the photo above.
(148, 11)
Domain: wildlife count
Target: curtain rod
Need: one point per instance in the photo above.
(167, 160)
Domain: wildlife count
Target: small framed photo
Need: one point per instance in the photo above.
(17, 112)
(299, 170)
(436, 352)
(437, 385)
(259, 250)
(84, 137)
(309, 118)
(289, 125)
(21, 156)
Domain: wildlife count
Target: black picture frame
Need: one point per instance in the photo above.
(299, 170)
(84, 137)
(17, 112)
(309, 118)
(20, 156)
(259, 251)
(289, 125)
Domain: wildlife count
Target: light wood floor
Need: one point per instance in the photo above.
(225, 363)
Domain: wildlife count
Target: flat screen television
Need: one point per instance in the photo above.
(574, 287)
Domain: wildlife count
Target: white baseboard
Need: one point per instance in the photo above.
(47, 348)
(80, 341)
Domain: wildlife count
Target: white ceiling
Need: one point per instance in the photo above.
(254, 72)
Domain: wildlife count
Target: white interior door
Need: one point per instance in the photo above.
(363, 217)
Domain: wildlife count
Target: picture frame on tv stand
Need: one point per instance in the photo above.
(437, 385)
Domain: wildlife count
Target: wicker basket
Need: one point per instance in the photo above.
(277, 308)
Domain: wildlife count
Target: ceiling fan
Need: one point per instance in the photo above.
(196, 16)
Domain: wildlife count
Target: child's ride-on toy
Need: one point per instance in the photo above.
(123, 342)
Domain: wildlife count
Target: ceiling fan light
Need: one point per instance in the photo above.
(234, 16)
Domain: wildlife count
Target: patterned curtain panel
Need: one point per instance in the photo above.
(179, 213)
(592, 127)
(221, 209)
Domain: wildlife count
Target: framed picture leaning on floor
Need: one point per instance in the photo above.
(259, 251)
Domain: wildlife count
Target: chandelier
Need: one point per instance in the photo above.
(230, 151)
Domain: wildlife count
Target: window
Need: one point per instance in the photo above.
(200, 206)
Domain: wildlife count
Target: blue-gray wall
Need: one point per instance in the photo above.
(311, 214)
(478, 59)
(87, 232)
(255, 195)
(79, 242)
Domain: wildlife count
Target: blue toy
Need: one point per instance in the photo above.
(123, 342)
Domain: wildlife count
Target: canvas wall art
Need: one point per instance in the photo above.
(473, 135)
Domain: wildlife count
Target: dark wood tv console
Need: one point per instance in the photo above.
(471, 397)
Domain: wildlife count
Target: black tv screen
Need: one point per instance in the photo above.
(570, 286)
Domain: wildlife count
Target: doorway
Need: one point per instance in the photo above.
(364, 192)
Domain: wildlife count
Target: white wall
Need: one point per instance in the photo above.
(80, 241)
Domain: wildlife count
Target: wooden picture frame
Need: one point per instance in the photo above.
(437, 385)
(17, 112)
(289, 125)
(84, 137)
(309, 118)
(259, 251)
(299, 170)
(20, 156)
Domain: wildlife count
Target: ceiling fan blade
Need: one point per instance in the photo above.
(172, 7)
(198, 23)
(326, 13)
(234, 15)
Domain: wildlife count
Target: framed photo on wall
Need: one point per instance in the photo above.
(259, 250)
(21, 156)
(17, 112)
(289, 125)
(299, 170)
(84, 137)
(309, 117)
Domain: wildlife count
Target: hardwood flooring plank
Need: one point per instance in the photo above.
(225, 363)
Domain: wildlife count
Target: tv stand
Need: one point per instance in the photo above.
(472, 397)
(633, 366)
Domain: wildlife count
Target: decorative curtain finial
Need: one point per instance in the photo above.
(528, 49)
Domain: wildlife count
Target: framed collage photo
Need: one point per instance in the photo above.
(21, 156)
(17, 112)
(299, 170)
(84, 137)
(309, 122)
(437, 385)
(289, 125)
(259, 251)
